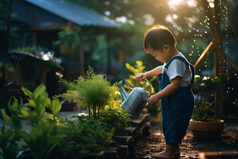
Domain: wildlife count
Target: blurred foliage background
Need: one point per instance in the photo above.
(185, 18)
(180, 16)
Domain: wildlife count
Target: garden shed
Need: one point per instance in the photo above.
(41, 20)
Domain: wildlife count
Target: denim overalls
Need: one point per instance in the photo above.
(176, 108)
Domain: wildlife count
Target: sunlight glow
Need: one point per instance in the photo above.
(122, 19)
(175, 16)
(176, 33)
(191, 3)
(168, 18)
(148, 19)
(107, 13)
(131, 22)
(107, 3)
(174, 3)
(211, 5)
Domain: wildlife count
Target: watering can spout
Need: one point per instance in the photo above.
(124, 94)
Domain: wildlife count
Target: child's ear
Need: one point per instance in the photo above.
(166, 48)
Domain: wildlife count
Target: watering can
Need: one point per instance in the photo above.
(134, 102)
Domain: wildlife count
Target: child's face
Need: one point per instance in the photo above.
(162, 56)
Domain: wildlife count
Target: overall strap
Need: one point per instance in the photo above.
(191, 68)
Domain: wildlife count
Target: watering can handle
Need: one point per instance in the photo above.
(149, 85)
(128, 84)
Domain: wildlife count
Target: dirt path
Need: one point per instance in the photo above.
(190, 147)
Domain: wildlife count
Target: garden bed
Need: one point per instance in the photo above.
(190, 147)
(130, 135)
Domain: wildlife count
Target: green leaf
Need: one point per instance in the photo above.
(42, 111)
(31, 103)
(55, 106)
(61, 119)
(6, 117)
(27, 92)
(26, 137)
(49, 116)
(21, 105)
(62, 102)
(26, 113)
(39, 90)
(9, 104)
(47, 102)
(25, 104)
(3, 128)
(44, 100)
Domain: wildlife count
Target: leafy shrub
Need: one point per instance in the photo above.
(42, 138)
(46, 132)
(86, 135)
(92, 91)
(115, 118)
(8, 145)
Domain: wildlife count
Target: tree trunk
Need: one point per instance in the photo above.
(94, 112)
(98, 110)
(89, 111)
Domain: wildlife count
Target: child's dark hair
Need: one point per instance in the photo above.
(157, 37)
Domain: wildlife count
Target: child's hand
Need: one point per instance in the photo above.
(141, 77)
(153, 99)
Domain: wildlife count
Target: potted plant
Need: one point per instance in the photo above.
(67, 39)
(204, 124)
(92, 91)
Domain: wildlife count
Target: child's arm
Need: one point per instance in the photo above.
(151, 73)
(168, 90)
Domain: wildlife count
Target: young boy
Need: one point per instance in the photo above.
(176, 76)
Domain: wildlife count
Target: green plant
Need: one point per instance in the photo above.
(27, 49)
(202, 86)
(92, 91)
(42, 139)
(39, 101)
(95, 133)
(67, 37)
(9, 137)
(115, 117)
(47, 131)
(139, 68)
(15, 110)
(201, 113)
(8, 145)
(86, 135)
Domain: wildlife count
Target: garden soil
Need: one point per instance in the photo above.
(190, 147)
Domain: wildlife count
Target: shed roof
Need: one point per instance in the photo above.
(74, 13)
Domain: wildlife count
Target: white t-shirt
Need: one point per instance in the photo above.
(179, 68)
